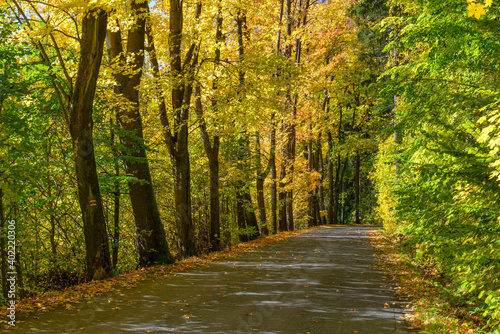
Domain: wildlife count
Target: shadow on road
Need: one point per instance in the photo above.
(324, 281)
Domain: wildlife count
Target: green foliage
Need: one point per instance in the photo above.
(447, 192)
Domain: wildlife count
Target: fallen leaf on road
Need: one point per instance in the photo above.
(386, 305)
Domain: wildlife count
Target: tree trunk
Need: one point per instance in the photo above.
(275, 219)
(215, 235)
(261, 176)
(151, 240)
(311, 166)
(274, 197)
(81, 125)
(52, 217)
(250, 217)
(342, 182)
(356, 186)
(240, 217)
(116, 203)
(243, 193)
(331, 185)
(262, 205)
(212, 152)
(321, 190)
(337, 175)
(176, 139)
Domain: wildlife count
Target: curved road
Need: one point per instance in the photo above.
(323, 281)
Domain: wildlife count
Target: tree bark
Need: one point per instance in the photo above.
(151, 240)
(81, 125)
(243, 192)
(212, 152)
(240, 218)
(176, 138)
(274, 194)
(261, 176)
(116, 203)
(321, 189)
(357, 186)
(275, 219)
(331, 185)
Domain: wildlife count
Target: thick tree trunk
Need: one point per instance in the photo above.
(81, 125)
(182, 190)
(212, 150)
(176, 139)
(151, 241)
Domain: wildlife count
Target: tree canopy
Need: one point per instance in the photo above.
(136, 133)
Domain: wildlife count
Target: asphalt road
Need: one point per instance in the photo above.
(324, 281)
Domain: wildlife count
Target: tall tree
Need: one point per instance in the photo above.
(152, 246)
(94, 25)
(245, 210)
(176, 136)
(76, 102)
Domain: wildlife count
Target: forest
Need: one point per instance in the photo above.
(136, 133)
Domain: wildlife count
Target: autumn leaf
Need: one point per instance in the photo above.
(475, 9)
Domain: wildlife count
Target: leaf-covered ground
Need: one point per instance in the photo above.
(432, 310)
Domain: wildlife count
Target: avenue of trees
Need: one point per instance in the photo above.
(135, 133)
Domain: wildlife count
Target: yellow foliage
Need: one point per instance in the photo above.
(385, 177)
(477, 9)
